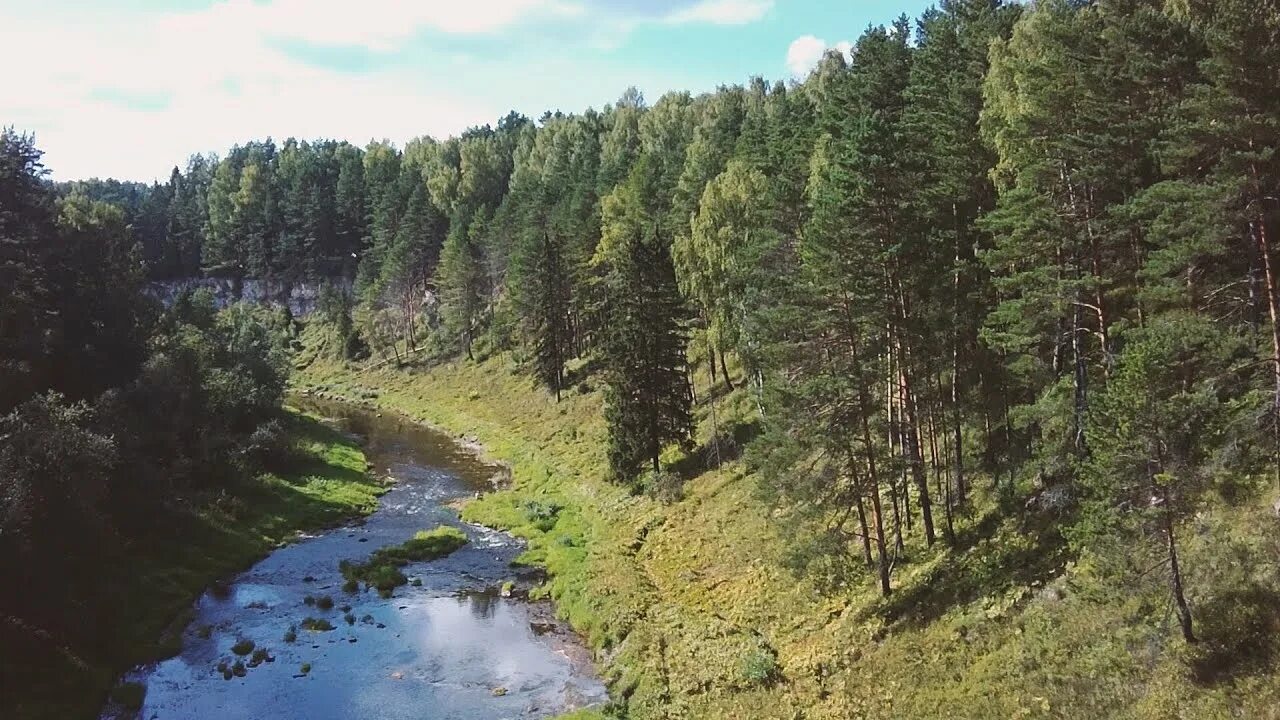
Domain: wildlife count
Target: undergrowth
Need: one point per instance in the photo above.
(688, 597)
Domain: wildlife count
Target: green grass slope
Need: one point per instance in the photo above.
(694, 614)
(155, 582)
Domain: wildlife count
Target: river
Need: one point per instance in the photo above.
(452, 647)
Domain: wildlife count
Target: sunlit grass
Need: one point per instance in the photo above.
(701, 617)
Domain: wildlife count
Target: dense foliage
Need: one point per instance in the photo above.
(116, 417)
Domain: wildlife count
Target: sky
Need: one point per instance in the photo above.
(130, 88)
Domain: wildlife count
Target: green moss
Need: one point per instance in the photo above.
(382, 570)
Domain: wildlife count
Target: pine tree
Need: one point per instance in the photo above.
(463, 281)
(546, 305)
(647, 404)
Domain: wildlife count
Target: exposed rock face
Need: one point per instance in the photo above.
(300, 297)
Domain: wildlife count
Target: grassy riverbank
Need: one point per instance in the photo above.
(156, 581)
(693, 609)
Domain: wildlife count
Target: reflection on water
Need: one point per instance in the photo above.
(448, 648)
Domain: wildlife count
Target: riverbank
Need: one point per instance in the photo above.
(214, 538)
(433, 631)
(693, 613)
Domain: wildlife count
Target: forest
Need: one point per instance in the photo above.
(1002, 253)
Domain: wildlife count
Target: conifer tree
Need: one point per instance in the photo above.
(647, 404)
(545, 306)
(462, 281)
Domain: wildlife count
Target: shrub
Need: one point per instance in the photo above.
(351, 585)
(316, 625)
(324, 602)
(269, 447)
(542, 515)
(291, 635)
(760, 666)
(306, 668)
(242, 647)
(665, 487)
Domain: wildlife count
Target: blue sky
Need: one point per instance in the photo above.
(129, 88)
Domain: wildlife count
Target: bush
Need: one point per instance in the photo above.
(269, 448)
(291, 635)
(542, 515)
(324, 602)
(242, 647)
(316, 625)
(760, 667)
(666, 487)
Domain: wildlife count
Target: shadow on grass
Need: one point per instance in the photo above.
(1238, 632)
(726, 446)
(577, 375)
(996, 554)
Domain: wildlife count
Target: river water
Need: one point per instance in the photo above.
(452, 647)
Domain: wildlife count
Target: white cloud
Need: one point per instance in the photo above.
(375, 24)
(722, 12)
(212, 78)
(131, 93)
(806, 51)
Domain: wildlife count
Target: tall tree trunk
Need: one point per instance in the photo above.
(954, 415)
(724, 368)
(1081, 380)
(862, 513)
(943, 484)
(877, 513)
(1175, 571)
(866, 534)
(912, 432)
(1262, 238)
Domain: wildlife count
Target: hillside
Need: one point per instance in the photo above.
(694, 613)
